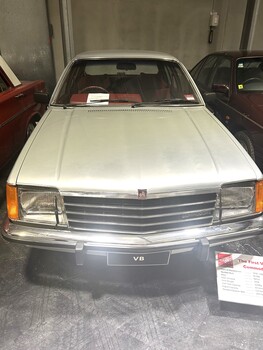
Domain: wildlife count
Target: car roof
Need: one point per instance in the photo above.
(240, 53)
(118, 54)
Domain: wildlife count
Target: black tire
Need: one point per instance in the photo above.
(246, 142)
(30, 127)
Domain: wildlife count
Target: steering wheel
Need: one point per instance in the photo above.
(93, 88)
(252, 80)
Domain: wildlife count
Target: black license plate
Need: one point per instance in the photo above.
(138, 259)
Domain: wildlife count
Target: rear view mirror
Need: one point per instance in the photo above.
(126, 66)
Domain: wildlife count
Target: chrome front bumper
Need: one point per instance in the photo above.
(83, 243)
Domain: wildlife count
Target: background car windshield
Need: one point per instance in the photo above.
(125, 81)
(250, 74)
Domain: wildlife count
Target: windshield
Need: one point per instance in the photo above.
(115, 82)
(250, 74)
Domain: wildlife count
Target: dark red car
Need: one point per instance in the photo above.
(236, 79)
(19, 112)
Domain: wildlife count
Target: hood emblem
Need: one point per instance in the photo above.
(142, 194)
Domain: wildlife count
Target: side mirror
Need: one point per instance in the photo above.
(209, 97)
(42, 97)
(221, 88)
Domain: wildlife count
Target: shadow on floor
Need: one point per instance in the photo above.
(60, 270)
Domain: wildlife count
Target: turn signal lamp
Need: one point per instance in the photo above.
(12, 202)
(259, 196)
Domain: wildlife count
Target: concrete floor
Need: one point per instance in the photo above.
(47, 302)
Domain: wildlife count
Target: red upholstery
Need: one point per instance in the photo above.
(130, 97)
(79, 98)
(82, 98)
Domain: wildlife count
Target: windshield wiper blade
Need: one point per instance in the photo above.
(177, 101)
(99, 102)
(165, 102)
(112, 100)
(70, 105)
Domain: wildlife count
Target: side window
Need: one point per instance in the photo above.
(203, 78)
(222, 74)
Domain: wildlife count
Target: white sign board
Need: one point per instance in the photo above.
(8, 71)
(240, 278)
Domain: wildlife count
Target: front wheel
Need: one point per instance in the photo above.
(246, 143)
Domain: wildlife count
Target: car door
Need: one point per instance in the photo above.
(11, 110)
(215, 76)
(202, 74)
(221, 82)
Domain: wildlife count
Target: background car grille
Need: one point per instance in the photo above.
(117, 215)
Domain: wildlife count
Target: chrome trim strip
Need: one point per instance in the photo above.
(66, 240)
(118, 195)
(252, 121)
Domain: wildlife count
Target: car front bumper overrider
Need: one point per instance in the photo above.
(82, 243)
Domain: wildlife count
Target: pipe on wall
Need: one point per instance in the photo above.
(249, 26)
(67, 30)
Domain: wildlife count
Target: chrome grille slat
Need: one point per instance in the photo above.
(133, 216)
(108, 230)
(139, 224)
(134, 208)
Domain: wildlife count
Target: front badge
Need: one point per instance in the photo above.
(142, 194)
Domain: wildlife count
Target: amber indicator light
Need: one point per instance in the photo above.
(259, 196)
(12, 202)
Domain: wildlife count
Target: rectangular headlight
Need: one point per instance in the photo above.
(235, 201)
(41, 206)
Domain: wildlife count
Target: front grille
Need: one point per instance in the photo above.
(133, 216)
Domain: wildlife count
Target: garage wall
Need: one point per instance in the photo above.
(56, 38)
(24, 39)
(179, 27)
(232, 14)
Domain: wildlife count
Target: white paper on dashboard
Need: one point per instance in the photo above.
(97, 97)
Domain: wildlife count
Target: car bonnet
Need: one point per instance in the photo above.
(122, 150)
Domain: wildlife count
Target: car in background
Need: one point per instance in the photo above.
(19, 112)
(236, 78)
(128, 163)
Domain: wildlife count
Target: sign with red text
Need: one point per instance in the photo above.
(239, 278)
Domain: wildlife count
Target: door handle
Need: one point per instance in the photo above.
(19, 95)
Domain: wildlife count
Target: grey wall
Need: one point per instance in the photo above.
(24, 39)
(179, 27)
(232, 13)
(258, 36)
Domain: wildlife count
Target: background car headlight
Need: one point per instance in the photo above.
(41, 206)
(236, 201)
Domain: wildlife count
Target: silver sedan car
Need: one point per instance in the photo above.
(128, 163)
